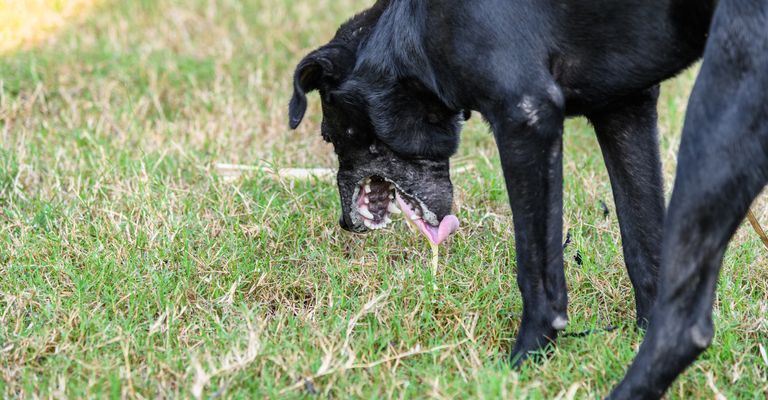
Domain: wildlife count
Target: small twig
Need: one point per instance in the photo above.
(233, 171)
(413, 352)
(757, 227)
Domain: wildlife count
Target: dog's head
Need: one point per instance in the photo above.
(393, 138)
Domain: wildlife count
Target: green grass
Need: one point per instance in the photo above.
(130, 267)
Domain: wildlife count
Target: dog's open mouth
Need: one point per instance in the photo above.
(377, 199)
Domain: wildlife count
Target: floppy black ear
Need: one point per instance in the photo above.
(326, 65)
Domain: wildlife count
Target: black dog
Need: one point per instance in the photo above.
(394, 83)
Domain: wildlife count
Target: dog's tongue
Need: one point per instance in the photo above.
(435, 234)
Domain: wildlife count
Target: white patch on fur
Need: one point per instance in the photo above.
(700, 338)
(531, 112)
(559, 323)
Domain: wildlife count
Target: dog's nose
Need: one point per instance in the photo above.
(343, 224)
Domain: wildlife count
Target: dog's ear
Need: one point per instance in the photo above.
(326, 65)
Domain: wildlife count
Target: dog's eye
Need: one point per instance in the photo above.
(433, 118)
(350, 132)
(373, 149)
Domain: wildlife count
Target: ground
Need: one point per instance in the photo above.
(132, 265)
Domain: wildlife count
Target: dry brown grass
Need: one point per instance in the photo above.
(131, 266)
(27, 23)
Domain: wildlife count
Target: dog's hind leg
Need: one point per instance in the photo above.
(628, 137)
(528, 130)
(723, 165)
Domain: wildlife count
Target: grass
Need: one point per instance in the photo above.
(25, 23)
(131, 267)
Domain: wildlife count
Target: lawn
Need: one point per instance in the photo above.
(132, 265)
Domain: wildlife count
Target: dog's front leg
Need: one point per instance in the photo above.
(629, 139)
(528, 131)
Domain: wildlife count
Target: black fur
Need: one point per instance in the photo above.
(400, 86)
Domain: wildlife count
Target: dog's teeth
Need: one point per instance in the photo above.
(391, 196)
(392, 208)
(366, 200)
(369, 224)
(367, 188)
(387, 221)
(415, 217)
(365, 212)
(391, 186)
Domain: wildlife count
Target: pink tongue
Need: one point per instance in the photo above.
(435, 234)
